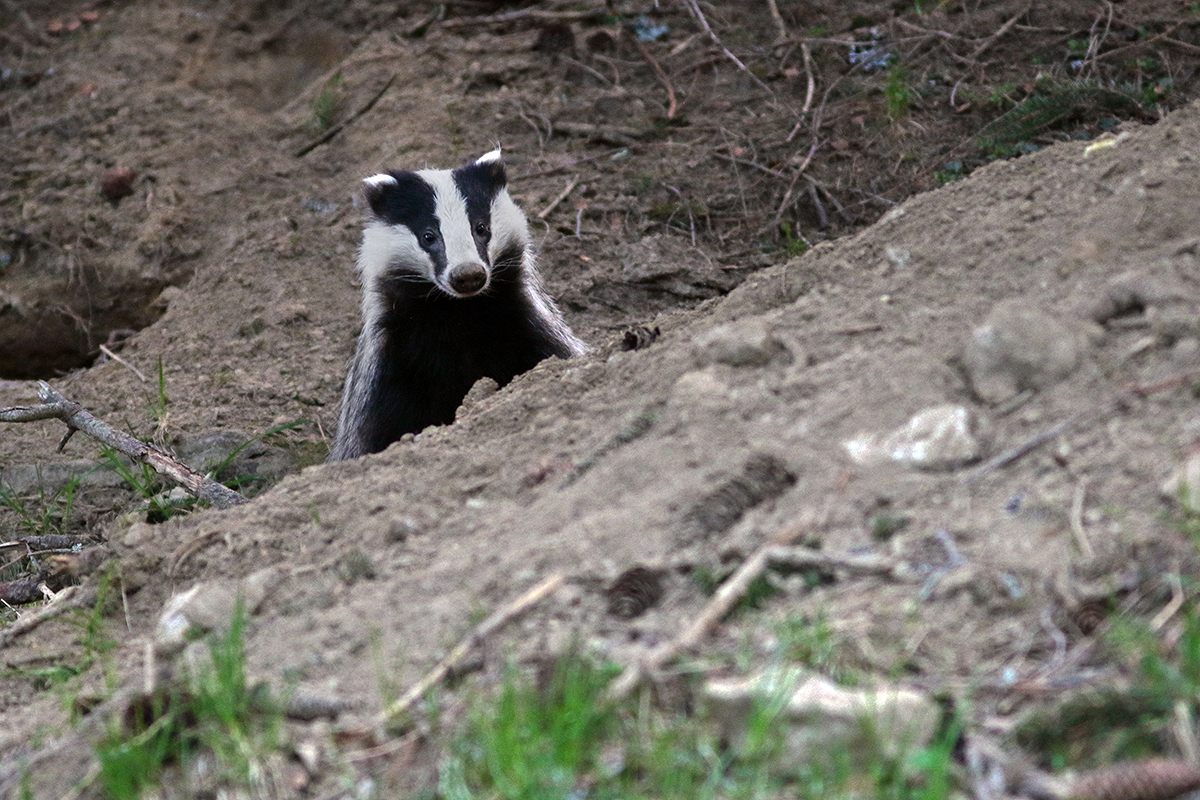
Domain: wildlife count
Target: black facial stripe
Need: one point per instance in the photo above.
(479, 184)
(410, 202)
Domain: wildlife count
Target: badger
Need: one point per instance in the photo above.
(451, 294)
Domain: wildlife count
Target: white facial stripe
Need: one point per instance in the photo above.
(451, 210)
(508, 225)
(384, 246)
(380, 179)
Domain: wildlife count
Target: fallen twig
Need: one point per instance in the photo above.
(720, 605)
(67, 600)
(1032, 443)
(672, 105)
(563, 195)
(694, 8)
(55, 406)
(119, 360)
(855, 563)
(336, 129)
(808, 72)
(525, 13)
(782, 32)
(1111, 405)
(49, 541)
(1003, 29)
(493, 623)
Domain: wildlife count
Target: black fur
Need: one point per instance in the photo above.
(436, 347)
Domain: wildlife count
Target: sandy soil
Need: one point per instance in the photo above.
(228, 271)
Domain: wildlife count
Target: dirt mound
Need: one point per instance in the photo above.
(786, 398)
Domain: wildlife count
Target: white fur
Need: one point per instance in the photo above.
(451, 210)
(380, 179)
(385, 247)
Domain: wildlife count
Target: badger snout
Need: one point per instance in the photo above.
(467, 279)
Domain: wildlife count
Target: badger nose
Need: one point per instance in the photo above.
(467, 279)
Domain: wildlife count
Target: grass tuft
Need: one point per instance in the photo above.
(235, 726)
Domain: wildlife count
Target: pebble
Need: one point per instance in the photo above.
(1183, 486)
(117, 183)
(209, 606)
(1020, 347)
(936, 438)
(740, 344)
(821, 720)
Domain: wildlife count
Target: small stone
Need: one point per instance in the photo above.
(936, 438)
(209, 606)
(822, 720)
(481, 390)
(168, 295)
(1183, 487)
(117, 183)
(399, 530)
(1020, 347)
(740, 344)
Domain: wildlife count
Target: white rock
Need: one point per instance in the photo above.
(209, 606)
(1020, 346)
(935, 438)
(822, 720)
(1183, 486)
(740, 344)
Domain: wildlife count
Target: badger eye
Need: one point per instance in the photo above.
(429, 236)
(481, 229)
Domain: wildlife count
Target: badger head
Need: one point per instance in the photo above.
(451, 228)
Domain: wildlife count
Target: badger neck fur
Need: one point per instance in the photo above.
(451, 294)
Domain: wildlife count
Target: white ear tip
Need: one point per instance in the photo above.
(379, 180)
(487, 158)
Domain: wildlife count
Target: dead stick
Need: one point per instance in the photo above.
(808, 72)
(67, 600)
(481, 631)
(991, 40)
(1036, 441)
(694, 8)
(545, 212)
(120, 360)
(672, 106)
(858, 563)
(54, 405)
(1108, 406)
(721, 604)
(336, 129)
(782, 35)
(524, 13)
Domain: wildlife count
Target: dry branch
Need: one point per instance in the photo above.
(1102, 409)
(525, 13)
(854, 563)
(545, 212)
(336, 129)
(991, 40)
(721, 604)
(694, 9)
(67, 600)
(480, 632)
(55, 406)
(1032, 443)
(672, 105)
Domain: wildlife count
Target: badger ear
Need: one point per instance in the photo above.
(486, 157)
(376, 189)
(489, 168)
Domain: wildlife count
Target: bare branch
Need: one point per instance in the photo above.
(54, 405)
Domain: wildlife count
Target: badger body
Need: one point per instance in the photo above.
(451, 294)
